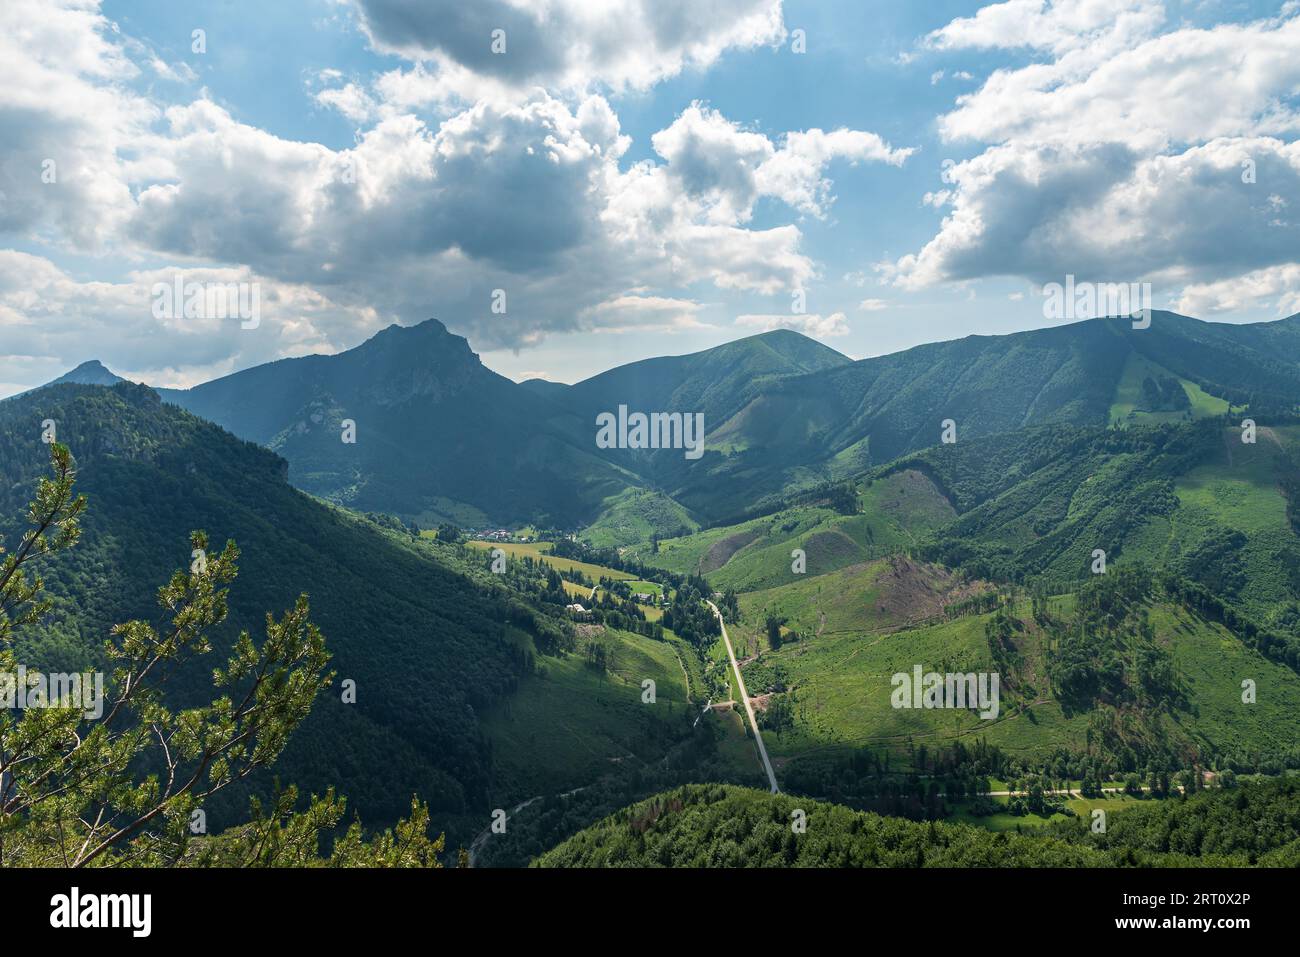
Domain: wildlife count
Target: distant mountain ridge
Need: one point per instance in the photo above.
(845, 420)
(438, 436)
(441, 437)
(716, 381)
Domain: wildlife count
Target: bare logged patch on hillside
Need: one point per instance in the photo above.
(911, 591)
(720, 552)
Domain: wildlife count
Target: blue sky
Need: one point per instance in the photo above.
(637, 178)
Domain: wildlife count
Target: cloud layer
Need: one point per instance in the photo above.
(472, 50)
(512, 217)
(1121, 152)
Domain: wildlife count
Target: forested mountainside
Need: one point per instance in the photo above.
(718, 826)
(430, 645)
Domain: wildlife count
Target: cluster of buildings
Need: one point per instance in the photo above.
(498, 535)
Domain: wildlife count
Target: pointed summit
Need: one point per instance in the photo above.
(90, 372)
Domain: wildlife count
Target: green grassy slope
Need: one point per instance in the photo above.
(637, 515)
(1192, 498)
(846, 635)
(569, 723)
(1138, 397)
(895, 512)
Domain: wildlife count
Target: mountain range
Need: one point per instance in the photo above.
(781, 412)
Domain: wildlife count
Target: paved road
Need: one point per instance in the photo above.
(744, 695)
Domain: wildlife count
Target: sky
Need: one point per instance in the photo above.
(576, 184)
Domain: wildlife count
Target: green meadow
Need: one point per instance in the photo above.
(541, 551)
(896, 511)
(568, 723)
(1111, 803)
(1127, 405)
(635, 515)
(840, 681)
